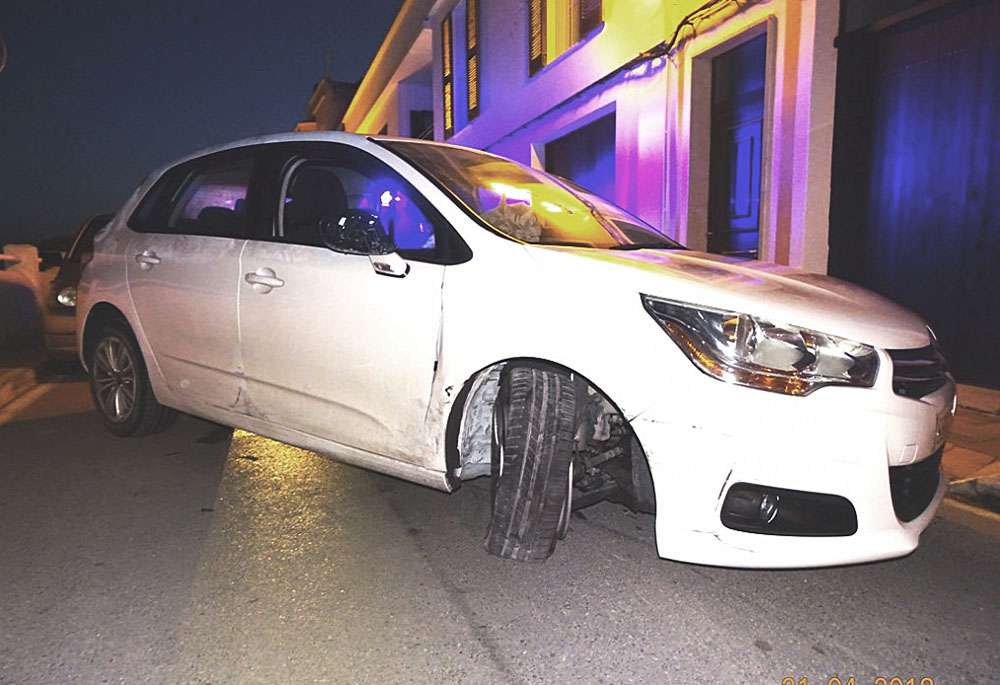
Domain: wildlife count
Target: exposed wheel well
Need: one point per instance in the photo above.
(611, 461)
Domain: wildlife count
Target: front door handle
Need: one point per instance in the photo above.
(147, 259)
(263, 280)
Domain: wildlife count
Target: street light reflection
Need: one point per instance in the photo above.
(283, 492)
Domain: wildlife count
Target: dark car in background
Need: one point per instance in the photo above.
(59, 317)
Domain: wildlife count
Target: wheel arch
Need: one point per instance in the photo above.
(100, 314)
(474, 402)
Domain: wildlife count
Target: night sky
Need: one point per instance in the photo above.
(97, 94)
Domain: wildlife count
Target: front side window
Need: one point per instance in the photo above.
(527, 204)
(318, 193)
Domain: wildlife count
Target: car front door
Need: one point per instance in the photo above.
(183, 272)
(334, 347)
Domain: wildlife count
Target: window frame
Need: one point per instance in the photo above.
(536, 36)
(473, 63)
(152, 214)
(286, 158)
(556, 26)
(447, 77)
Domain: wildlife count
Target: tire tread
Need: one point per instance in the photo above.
(538, 448)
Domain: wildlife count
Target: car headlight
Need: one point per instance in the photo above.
(751, 351)
(67, 296)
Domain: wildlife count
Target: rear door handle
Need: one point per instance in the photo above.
(263, 280)
(147, 259)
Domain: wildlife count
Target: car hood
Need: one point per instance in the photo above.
(780, 294)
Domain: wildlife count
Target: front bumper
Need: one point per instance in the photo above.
(839, 442)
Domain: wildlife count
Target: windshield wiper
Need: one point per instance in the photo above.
(646, 246)
(563, 243)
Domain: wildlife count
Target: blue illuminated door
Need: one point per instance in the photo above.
(586, 156)
(915, 204)
(735, 167)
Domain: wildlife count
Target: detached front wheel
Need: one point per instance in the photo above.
(533, 422)
(120, 386)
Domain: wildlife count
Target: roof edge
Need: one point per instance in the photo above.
(401, 36)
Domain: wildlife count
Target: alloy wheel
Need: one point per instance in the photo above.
(115, 379)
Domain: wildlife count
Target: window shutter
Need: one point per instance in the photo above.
(536, 35)
(447, 85)
(472, 56)
(591, 16)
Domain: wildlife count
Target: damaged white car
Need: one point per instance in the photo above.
(441, 314)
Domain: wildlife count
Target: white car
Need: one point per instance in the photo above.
(440, 314)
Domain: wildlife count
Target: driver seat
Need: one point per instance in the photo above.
(314, 193)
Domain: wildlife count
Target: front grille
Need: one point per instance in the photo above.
(918, 372)
(913, 486)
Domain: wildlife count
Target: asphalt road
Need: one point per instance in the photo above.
(196, 557)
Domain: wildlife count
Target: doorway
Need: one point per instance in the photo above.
(738, 81)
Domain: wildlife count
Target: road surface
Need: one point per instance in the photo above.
(197, 556)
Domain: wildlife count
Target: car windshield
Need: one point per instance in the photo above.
(527, 204)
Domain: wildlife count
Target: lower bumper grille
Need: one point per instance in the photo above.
(913, 486)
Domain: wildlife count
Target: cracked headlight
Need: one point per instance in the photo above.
(751, 351)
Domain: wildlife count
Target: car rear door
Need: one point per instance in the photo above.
(183, 273)
(332, 347)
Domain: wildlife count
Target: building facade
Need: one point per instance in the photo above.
(617, 94)
(716, 121)
(327, 105)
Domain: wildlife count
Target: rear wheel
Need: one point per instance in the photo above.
(120, 386)
(533, 423)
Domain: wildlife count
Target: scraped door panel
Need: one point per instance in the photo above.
(185, 298)
(338, 351)
(183, 274)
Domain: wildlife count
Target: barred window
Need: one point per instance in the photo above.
(554, 26)
(447, 78)
(536, 35)
(472, 57)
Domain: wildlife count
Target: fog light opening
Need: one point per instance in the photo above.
(768, 509)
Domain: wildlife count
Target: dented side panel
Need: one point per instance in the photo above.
(342, 352)
(186, 303)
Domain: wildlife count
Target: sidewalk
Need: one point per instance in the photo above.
(17, 371)
(971, 460)
(972, 456)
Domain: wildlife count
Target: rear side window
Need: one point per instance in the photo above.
(206, 197)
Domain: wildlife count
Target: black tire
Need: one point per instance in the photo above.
(120, 385)
(533, 418)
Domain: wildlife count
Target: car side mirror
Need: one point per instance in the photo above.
(356, 232)
(49, 259)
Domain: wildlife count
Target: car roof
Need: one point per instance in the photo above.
(360, 140)
(287, 137)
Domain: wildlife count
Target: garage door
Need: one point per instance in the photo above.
(916, 180)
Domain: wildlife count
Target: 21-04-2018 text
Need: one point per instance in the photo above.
(835, 680)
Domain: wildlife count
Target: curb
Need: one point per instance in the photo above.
(983, 493)
(983, 400)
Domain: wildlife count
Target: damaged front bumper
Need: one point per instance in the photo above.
(746, 478)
